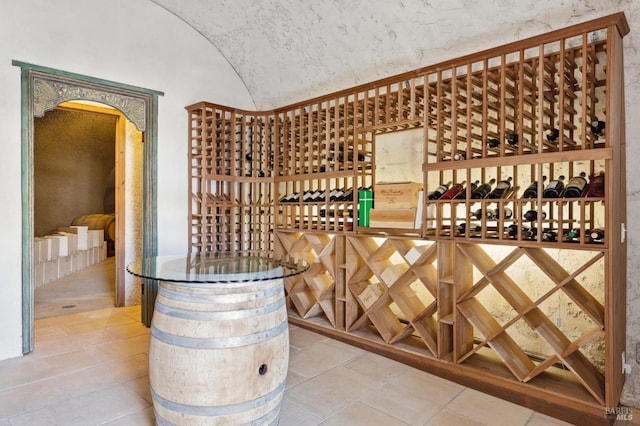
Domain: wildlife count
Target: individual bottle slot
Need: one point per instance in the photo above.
(597, 235)
(307, 195)
(437, 193)
(291, 198)
(335, 194)
(473, 227)
(532, 215)
(346, 195)
(482, 190)
(576, 186)
(511, 231)
(549, 235)
(597, 127)
(460, 155)
(573, 233)
(469, 188)
(493, 143)
(490, 214)
(453, 191)
(501, 190)
(532, 189)
(513, 139)
(554, 188)
(595, 187)
(552, 134)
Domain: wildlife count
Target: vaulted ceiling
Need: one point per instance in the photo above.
(290, 50)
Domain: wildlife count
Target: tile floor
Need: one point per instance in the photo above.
(91, 369)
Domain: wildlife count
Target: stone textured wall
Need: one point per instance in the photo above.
(74, 153)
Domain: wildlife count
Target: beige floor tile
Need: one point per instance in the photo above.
(29, 369)
(427, 386)
(347, 346)
(128, 330)
(139, 418)
(301, 338)
(378, 367)
(318, 358)
(121, 348)
(30, 397)
(408, 404)
(447, 418)
(360, 414)
(52, 332)
(141, 387)
(330, 392)
(62, 345)
(104, 375)
(293, 379)
(488, 409)
(538, 419)
(56, 321)
(88, 409)
(292, 415)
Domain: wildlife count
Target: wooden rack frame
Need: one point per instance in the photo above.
(258, 180)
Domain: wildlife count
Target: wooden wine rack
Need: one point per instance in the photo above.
(469, 295)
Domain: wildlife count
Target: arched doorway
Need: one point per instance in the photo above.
(43, 89)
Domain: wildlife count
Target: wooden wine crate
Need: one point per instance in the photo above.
(396, 195)
(392, 218)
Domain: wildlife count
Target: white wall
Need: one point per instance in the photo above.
(133, 42)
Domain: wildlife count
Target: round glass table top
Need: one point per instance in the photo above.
(218, 267)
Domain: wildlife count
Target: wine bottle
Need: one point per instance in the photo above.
(473, 227)
(532, 215)
(597, 127)
(506, 213)
(511, 138)
(454, 190)
(477, 214)
(338, 193)
(493, 142)
(469, 188)
(554, 188)
(439, 191)
(461, 155)
(597, 234)
(346, 195)
(552, 134)
(549, 235)
(576, 186)
(532, 189)
(482, 190)
(573, 233)
(501, 189)
(596, 185)
(530, 233)
(511, 230)
(306, 196)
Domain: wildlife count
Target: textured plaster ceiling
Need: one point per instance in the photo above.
(287, 51)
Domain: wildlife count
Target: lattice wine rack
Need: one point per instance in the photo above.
(513, 280)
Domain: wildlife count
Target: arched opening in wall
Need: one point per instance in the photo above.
(80, 147)
(44, 89)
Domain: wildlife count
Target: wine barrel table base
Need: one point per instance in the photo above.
(219, 347)
(219, 354)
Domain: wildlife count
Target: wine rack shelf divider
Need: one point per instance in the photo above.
(449, 296)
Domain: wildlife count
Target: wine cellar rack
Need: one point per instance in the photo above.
(477, 291)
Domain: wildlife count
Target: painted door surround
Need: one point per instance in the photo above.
(45, 88)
